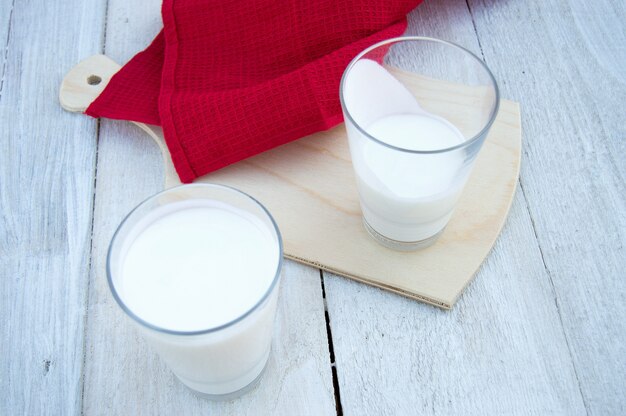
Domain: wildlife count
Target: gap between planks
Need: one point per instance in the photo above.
(5, 55)
(331, 350)
(556, 299)
(91, 231)
(480, 46)
(89, 268)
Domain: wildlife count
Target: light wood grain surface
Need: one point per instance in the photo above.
(540, 331)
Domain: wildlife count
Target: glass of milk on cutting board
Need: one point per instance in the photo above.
(417, 111)
(197, 269)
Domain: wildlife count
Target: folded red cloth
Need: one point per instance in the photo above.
(230, 79)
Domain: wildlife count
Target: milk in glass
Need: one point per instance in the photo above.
(196, 265)
(405, 196)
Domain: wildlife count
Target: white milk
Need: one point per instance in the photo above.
(192, 266)
(408, 197)
(404, 196)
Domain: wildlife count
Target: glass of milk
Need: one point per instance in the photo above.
(417, 111)
(197, 269)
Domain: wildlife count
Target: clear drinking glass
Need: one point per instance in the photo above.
(417, 111)
(220, 362)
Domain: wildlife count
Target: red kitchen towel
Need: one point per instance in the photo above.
(230, 79)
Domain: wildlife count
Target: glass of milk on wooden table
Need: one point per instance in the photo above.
(417, 111)
(197, 268)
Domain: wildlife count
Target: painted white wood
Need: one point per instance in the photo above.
(569, 74)
(501, 350)
(47, 161)
(6, 9)
(122, 375)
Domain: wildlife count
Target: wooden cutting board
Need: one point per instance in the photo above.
(309, 187)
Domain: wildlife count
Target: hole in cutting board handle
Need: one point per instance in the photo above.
(94, 80)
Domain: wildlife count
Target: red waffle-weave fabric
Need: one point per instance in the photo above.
(230, 79)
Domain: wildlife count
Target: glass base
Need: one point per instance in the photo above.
(229, 396)
(232, 395)
(400, 245)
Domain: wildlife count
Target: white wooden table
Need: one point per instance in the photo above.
(541, 330)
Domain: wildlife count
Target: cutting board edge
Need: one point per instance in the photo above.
(411, 295)
(509, 205)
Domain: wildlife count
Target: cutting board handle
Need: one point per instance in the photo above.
(84, 83)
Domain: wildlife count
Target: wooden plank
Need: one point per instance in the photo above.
(47, 160)
(501, 350)
(122, 375)
(568, 72)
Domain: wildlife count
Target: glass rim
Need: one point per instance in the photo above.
(466, 143)
(210, 330)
